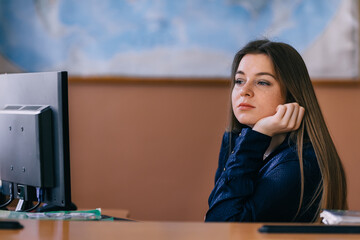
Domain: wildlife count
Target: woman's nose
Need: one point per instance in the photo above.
(246, 90)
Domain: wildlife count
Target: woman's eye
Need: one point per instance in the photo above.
(239, 81)
(264, 83)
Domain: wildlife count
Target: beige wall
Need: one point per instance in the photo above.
(341, 109)
(153, 148)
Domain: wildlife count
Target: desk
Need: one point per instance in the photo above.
(46, 229)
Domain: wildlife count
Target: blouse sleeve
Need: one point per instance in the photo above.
(238, 194)
(223, 155)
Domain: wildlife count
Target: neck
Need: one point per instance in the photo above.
(275, 142)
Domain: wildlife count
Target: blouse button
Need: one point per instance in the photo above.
(232, 152)
(224, 169)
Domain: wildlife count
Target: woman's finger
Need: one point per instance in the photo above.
(287, 116)
(293, 118)
(280, 111)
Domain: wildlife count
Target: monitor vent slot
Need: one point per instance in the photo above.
(31, 108)
(12, 107)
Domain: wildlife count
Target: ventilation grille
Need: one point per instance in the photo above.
(23, 108)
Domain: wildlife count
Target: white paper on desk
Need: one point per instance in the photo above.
(340, 217)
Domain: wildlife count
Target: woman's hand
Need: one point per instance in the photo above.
(287, 118)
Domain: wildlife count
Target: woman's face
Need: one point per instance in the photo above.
(256, 92)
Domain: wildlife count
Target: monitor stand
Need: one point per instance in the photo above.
(52, 208)
(26, 205)
(23, 205)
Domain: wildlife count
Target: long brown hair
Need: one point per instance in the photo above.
(296, 84)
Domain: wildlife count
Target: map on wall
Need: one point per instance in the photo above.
(188, 38)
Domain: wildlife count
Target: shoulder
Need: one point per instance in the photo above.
(289, 151)
(229, 138)
(287, 155)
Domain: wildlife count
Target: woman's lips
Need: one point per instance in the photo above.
(245, 106)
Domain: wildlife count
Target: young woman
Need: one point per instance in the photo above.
(277, 160)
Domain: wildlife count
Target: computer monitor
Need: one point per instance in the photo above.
(34, 139)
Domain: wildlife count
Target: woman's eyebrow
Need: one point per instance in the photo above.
(265, 73)
(258, 74)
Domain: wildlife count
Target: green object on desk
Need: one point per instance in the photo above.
(86, 215)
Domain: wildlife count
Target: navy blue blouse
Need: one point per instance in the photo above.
(250, 189)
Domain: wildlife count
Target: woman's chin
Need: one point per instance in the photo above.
(247, 123)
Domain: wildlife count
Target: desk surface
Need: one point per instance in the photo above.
(47, 229)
